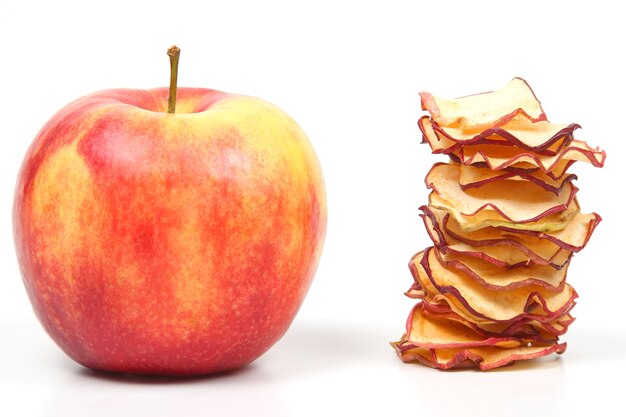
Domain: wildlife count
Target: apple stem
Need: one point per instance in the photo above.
(174, 54)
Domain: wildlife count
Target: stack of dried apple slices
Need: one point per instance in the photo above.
(504, 221)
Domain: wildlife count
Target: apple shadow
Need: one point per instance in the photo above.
(305, 348)
(138, 379)
(315, 347)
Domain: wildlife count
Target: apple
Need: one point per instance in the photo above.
(169, 237)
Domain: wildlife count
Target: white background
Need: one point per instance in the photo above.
(349, 73)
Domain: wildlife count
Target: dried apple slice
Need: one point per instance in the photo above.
(477, 303)
(491, 109)
(558, 171)
(494, 202)
(535, 322)
(507, 257)
(439, 144)
(502, 249)
(488, 218)
(435, 331)
(573, 237)
(472, 176)
(496, 278)
(559, 327)
(485, 357)
(501, 157)
(507, 253)
(484, 219)
(416, 291)
(532, 330)
(528, 330)
(540, 137)
(543, 138)
(422, 355)
(532, 323)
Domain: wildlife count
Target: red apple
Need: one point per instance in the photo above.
(172, 244)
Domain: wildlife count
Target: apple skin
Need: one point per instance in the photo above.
(168, 244)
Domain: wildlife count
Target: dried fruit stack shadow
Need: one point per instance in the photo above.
(504, 221)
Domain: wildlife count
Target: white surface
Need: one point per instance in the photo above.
(349, 73)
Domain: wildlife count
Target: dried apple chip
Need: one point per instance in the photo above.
(485, 357)
(421, 355)
(527, 330)
(439, 302)
(506, 257)
(495, 277)
(540, 137)
(494, 202)
(543, 138)
(433, 331)
(501, 157)
(489, 218)
(472, 176)
(491, 109)
(503, 249)
(558, 171)
(476, 302)
(573, 237)
(439, 144)
(532, 327)
(531, 330)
